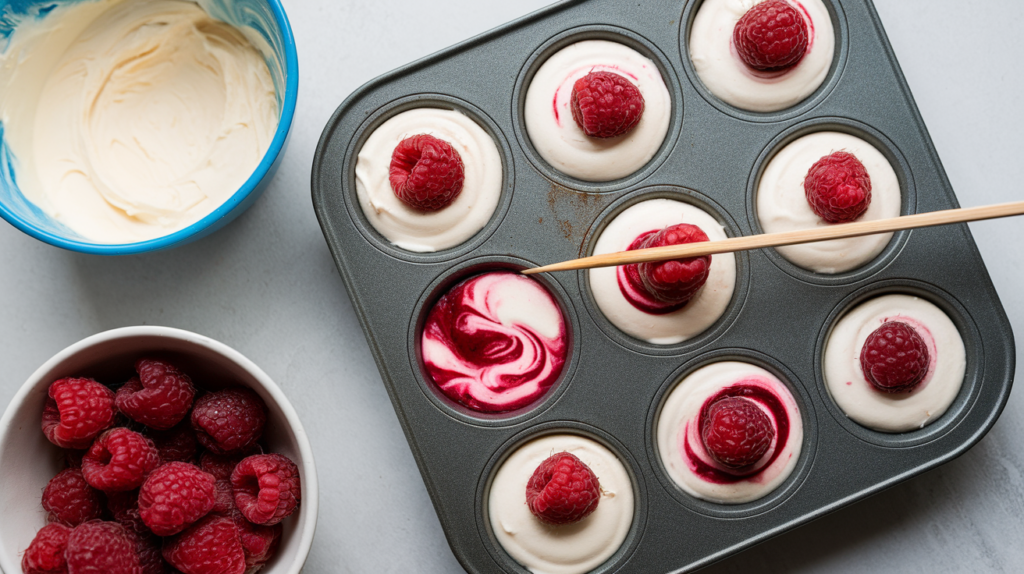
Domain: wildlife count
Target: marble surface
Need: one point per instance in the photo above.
(267, 286)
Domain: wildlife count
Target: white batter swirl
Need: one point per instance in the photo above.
(495, 342)
(682, 450)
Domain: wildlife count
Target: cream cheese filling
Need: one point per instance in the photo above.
(133, 120)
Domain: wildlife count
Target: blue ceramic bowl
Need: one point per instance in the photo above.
(266, 18)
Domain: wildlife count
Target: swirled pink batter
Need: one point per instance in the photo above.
(495, 342)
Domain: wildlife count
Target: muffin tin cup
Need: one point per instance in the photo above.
(441, 102)
(441, 286)
(739, 292)
(972, 376)
(908, 195)
(611, 34)
(770, 500)
(839, 58)
(779, 318)
(640, 499)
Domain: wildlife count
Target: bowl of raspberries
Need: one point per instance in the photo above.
(151, 450)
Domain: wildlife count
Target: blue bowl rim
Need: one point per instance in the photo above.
(240, 195)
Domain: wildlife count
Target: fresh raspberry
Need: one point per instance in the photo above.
(101, 548)
(159, 397)
(70, 500)
(736, 432)
(605, 104)
(124, 508)
(77, 411)
(838, 188)
(175, 496)
(894, 358)
(45, 555)
(267, 488)
(675, 281)
(426, 172)
(178, 444)
(221, 468)
(212, 546)
(73, 457)
(771, 36)
(562, 490)
(229, 421)
(258, 542)
(119, 460)
(148, 548)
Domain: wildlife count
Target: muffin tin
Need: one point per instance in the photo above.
(613, 385)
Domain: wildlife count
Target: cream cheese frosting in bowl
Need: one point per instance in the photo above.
(134, 126)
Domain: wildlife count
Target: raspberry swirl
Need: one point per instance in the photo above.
(701, 461)
(495, 342)
(685, 411)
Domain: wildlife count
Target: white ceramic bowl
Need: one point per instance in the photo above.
(28, 461)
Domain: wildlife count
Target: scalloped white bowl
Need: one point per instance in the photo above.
(28, 461)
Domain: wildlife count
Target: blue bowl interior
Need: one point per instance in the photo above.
(265, 25)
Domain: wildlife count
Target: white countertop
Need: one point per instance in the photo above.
(267, 286)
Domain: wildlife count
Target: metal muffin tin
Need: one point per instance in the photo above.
(613, 385)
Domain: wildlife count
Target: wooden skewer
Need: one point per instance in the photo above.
(787, 238)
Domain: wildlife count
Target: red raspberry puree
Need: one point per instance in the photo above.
(495, 342)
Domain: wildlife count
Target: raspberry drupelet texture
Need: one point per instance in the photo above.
(229, 421)
(177, 444)
(148, 548)
(838, 187)
(45, 555)
(175, 496)
(736, 432)
(894, 358)
(221, 467)
(101, 548)
(606, 104)
(664, 287)
(119, 460)
(677, 280)
(159, 397)
(267, 488)
(70, 500)
(562, 490)
(78, 410)
(772, 36)
(426, 172)
(258, 542)
(212, 546)
(124, 508)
